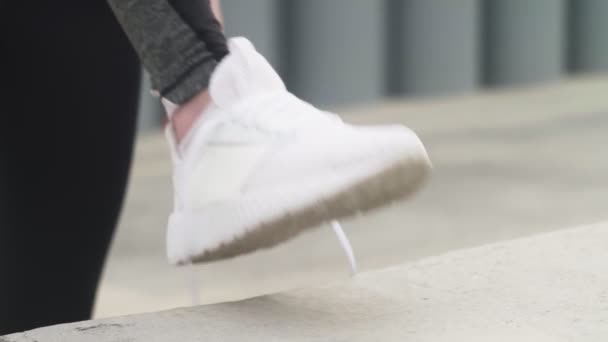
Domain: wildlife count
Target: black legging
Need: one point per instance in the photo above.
(71, 85)
(70, 91)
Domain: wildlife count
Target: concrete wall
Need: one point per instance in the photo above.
(150, 110)
(524, 41)
(333, 52)
(588, 49)
(434, 46)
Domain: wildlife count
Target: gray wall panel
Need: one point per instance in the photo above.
(150, 110)
(589, 35)
(435, 46)
(524, 41)
(336, 50)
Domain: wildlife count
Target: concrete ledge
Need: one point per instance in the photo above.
(550, 287)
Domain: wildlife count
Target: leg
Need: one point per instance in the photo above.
(266, 165)
(66, 137)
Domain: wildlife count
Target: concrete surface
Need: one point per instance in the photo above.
(507, 164)
(551, 287)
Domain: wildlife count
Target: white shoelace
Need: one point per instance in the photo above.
(194, 285)
(346, 246)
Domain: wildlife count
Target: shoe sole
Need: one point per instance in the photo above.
(396, 182)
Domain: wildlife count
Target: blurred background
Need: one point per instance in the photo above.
(341, 52)
(509, 96)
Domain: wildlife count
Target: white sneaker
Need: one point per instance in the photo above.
(261, 165)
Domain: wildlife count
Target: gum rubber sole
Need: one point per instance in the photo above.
(391, 184)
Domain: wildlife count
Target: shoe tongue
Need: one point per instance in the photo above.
(242, 73)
